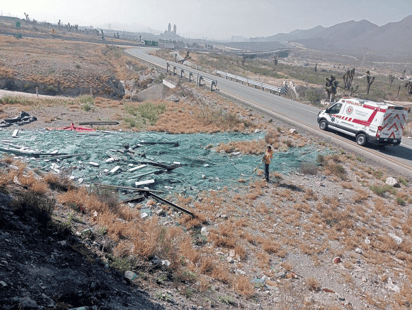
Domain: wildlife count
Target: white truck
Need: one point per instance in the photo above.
(368, 121)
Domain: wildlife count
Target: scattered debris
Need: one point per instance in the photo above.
(72, 128)
(398, 240)
(22, 119)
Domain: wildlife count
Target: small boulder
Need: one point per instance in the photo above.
(392, 182)
(204, 231)
(130, 275)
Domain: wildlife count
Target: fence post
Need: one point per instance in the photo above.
(37, 91)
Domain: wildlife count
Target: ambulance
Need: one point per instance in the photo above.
(369, 122)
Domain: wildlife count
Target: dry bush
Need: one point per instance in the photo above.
(361, 195)
(272, 137)
(346, 185)
(251, 238)
(287, 266)
(240, 250)
(381, 206)
(207, 265)
(32, 205)
(270, 246)
(263, 259)
(243, 286)
(242, 222)
(225, 237)
(332, 168)
(310, 195)
(59, 183)
(254, 147)
(203, 284)
(312, 284)
(221, 273)
(308, 168)
(303, 207)
(186, 250)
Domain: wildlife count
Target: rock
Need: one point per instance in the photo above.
(62, 243)
(364, 279)
(27, 303)
(392, 182)
(337, 260)
(224, 216)
(367, 241)
(358, 250)
(160, 212)
(238, 271)
(4, 284)
(292, 130)
(398, 240)
(204, 231)
(230, 260)
(280, 275)
(232, 253)
(165, 263)
(130, 275)
(392, 286)
(256, 130)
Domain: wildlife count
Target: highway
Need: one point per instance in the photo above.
(300, 115)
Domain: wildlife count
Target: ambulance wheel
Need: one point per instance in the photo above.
(323, 124)
(361, 139)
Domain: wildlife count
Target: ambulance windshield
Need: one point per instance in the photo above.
(335, 109)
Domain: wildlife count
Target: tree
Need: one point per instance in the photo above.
(243, 60)
(408, 86)
(275, 60)
(316, 67)
(403, 74)
(27, 16)
(391, 79)
(369, 80)
(331, 88)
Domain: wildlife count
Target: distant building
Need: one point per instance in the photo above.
(174, 29)
(169, 28)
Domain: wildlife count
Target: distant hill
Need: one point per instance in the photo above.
(393, 37)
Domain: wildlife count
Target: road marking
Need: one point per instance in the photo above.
(372, 152)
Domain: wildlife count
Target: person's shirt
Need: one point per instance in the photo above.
(268, 157)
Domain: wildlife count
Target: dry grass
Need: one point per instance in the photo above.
(254, 147)
(243, 287)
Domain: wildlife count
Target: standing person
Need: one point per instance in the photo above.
(267, 158)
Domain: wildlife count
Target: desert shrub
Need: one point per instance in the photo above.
(314, 95)
(403, 181)
(335, 169)
(9, 100)
(29, 204)
(87, 107)
(58, 182)
(381, 190)
(106, 195)
(320, 159)
(400, 201)
(308, 168)
(148, 111)
(243, 286)
(219, 117)
(86, 99)
(272, 137)
(50, 89)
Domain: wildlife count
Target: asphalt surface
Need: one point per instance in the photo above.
(300, 115)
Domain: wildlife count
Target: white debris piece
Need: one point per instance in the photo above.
(54, 152)
(80, 180)
(144, 215)
(176, 163)
(136, 168)
(204, 231)
(110, 160)
(15, 133)
(144, 182)
(115, 169)
(94, 164)
(392, 286)
(398, 240)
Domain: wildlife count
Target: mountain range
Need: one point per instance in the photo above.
(395, 36)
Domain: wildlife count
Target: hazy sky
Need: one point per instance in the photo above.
(220, 19)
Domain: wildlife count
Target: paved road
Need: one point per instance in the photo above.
(300, 115)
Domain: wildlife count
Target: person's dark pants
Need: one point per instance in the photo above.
(267, 172)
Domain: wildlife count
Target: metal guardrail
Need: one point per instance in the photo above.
(199, 78)
(263, 86)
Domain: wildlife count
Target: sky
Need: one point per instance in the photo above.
(218, 19)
